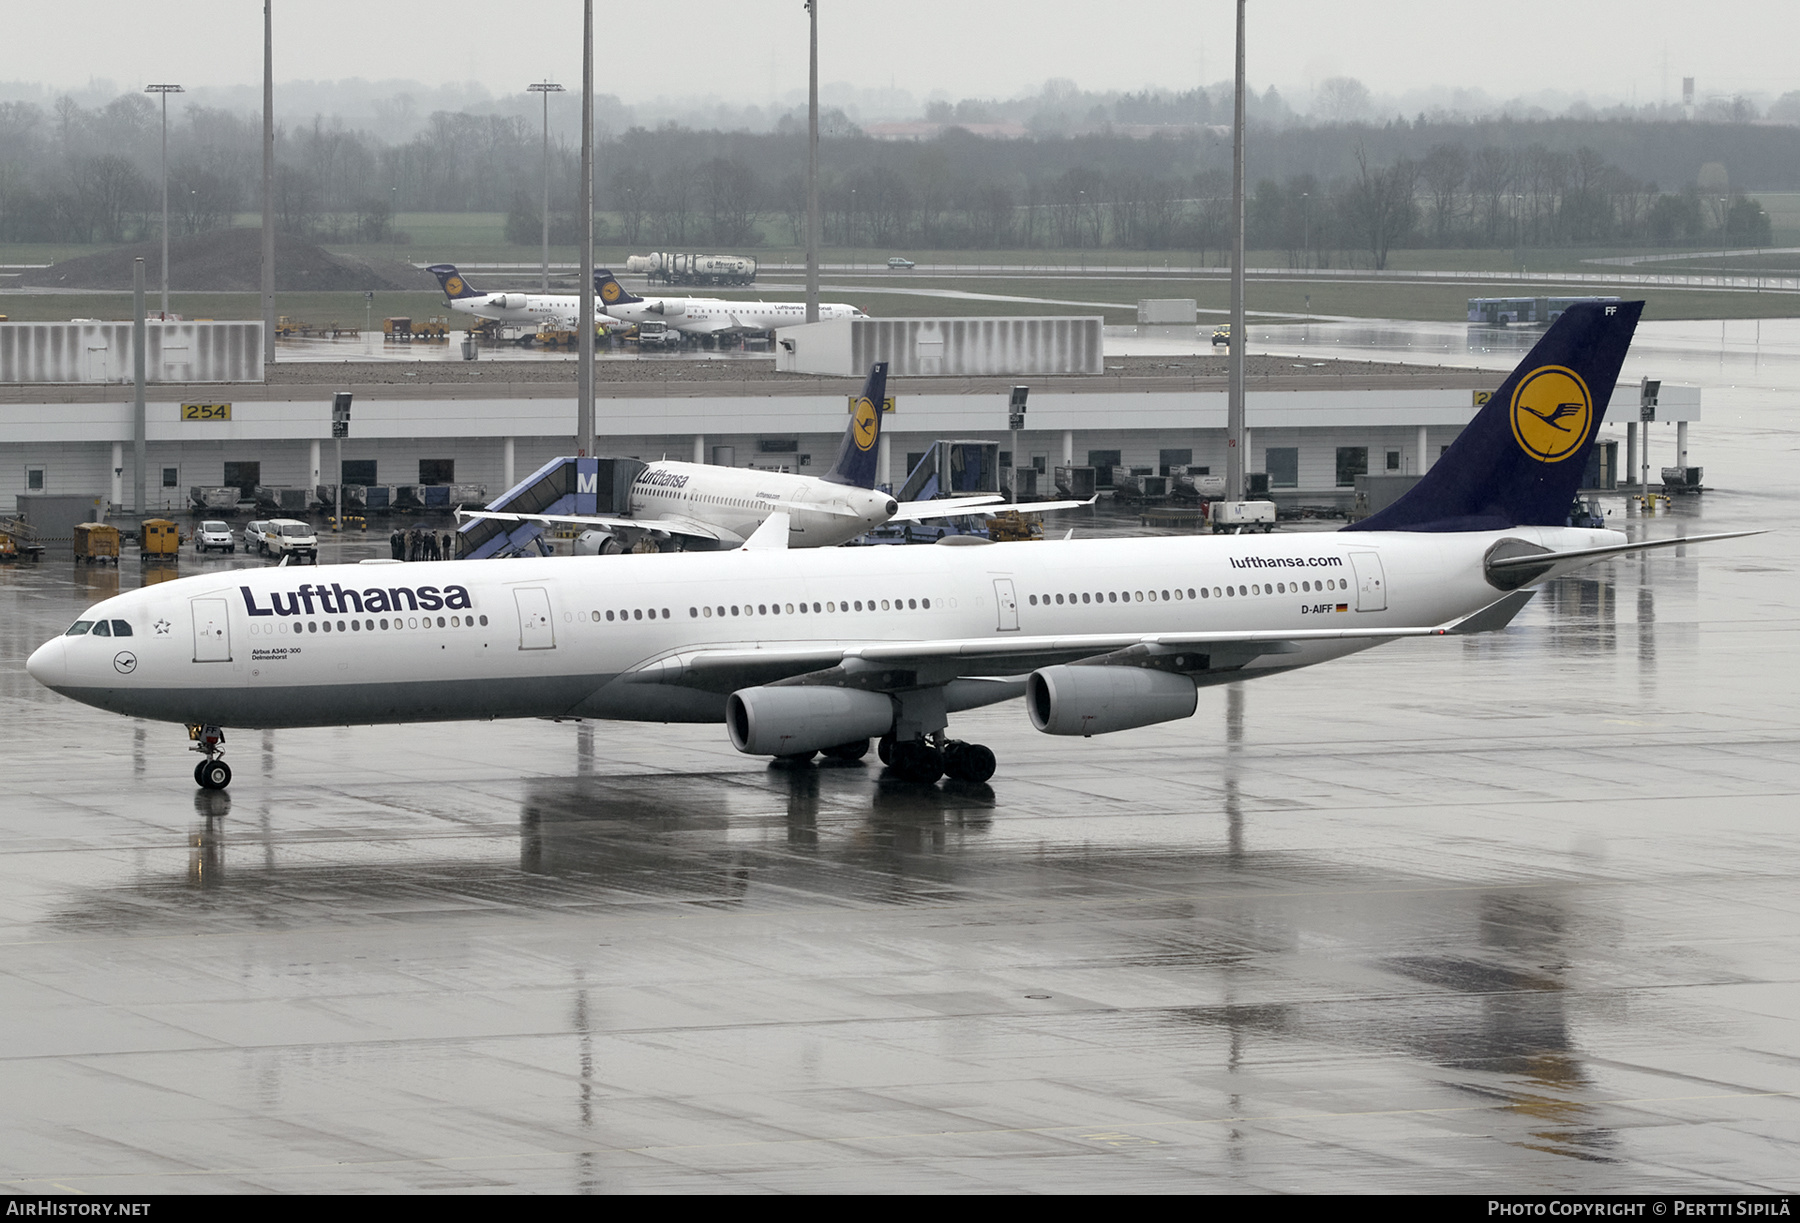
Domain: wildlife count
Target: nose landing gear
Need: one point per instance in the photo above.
(212, 773)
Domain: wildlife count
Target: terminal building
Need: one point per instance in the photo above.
(1313, 427)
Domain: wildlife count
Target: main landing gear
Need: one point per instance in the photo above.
(925, 760)
(212, 773)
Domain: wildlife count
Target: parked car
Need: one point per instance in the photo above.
(253, 535)
(291, 537)
(897, 264)
(214, 534)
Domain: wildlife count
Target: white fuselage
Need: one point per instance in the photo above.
(738, 499)
(525, 308)
(714, 316)
(605, 637)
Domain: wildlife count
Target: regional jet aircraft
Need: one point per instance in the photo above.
(708, 316)
(715, 505)
(525, 308)
(798, 651)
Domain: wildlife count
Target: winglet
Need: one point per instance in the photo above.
(771, 535)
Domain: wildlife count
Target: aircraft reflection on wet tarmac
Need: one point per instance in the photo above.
(1481, 992)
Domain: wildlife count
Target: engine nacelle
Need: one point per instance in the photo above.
(597, 543)
(1099, 700)
(786, 720)
(671, 308)
(512, 301)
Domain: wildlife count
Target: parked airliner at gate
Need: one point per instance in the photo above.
(823, 649)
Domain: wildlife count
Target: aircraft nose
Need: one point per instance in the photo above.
(893, 507)
(47, 664)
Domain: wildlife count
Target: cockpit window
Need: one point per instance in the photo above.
(121, 628)
(79, 628)
(102, 629)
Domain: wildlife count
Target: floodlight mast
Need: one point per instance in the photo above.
(547, 88)
(165, 91)
(812, 169)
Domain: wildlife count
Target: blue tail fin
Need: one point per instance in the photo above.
(610, 292)
(454, 283)
(1520, 461)
(862, 437)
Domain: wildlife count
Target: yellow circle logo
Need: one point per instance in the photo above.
(864, 425)
(610, 291)
(453, 286)
(1551, 413)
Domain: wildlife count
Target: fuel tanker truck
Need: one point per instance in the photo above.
(677, 269)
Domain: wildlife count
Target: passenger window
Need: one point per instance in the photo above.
(1034, 600)
(925, 603)
(102, 629)
(638, 614)
(121, 628)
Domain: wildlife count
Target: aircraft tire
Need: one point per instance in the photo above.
(795, 759)
(918, 761)
(885, 748)
(856, 749)
(197, 769)
(214, 775)
(969, 761)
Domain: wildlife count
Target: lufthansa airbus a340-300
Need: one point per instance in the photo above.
(799, 651)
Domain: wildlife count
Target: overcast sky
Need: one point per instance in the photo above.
(751, 52)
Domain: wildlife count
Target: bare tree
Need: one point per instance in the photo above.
(1444, 169)
(1380, 204)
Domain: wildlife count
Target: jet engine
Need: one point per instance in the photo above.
(1099, 700)
(512, 301)
(787, 720)
(597, 543)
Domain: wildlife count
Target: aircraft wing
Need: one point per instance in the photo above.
(914, 511)
(943, 507)
(880, 666)
(672, 526)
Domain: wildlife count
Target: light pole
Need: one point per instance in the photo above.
(1306, 229)
(547, 88)
(812, 169)
(165, 91)
(394, 222)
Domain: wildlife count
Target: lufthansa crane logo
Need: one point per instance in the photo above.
(864, 424)
(610, 291)
(1552, 413)
(125, 662)
(453, 286)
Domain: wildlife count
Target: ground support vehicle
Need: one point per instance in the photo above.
(289, 537)
(158, 540)
(97, 543)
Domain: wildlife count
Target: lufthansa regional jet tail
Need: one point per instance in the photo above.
(824, 649)
(525, 308)
(707, 316)
(727, 505)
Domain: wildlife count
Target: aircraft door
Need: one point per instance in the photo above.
(536, 632)
(212, 631)
(1008, 603)
(1371, 583)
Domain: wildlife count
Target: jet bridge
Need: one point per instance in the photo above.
(953, 469)
(561, 486)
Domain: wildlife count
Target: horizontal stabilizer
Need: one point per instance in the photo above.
(1544, 559)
